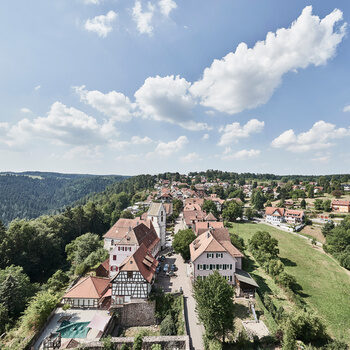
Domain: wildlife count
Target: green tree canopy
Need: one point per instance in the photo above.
(215, 307)
(182, 241)
(232, 211)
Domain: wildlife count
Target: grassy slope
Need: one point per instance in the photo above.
(325, 284)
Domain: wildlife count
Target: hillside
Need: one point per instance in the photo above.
(31, 194)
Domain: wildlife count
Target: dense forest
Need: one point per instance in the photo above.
(31, 194)
(38, 257)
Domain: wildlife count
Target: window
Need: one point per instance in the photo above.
(217, 266)
(199, 267)
(119, 248)
(129, 275)
(114, 257)
(129, 249)
(219, 255)
(204, 267)
(230, 278)
(230, 266)
(112, 242)
(220, 267)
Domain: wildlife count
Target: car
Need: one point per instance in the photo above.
(171, 273)
(166, 268)
(159, 268)
(162, 258)
(173, 267)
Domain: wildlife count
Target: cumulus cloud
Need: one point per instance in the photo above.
(37, 87)
(346, 108)
(63, 126)
(137, 140)
(167, 99)
(85, 151)
(114, 104)
(143, 19)
(191, 157)
(166, 6)
(318, 137)
(169, 148)
(233, 132)
(102, 25)
(321, 157)
(248, 77)
(93, 2)
(228, 154)
(25, 110)
(205, 137)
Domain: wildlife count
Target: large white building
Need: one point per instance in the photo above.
(157, 215)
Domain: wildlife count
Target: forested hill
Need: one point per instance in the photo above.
(31, 194)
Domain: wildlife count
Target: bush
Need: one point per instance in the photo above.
(168, 326)
(107, 343)
(156, 347)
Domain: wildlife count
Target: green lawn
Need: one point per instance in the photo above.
(325, 284)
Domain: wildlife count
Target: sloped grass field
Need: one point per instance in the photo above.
(326, 286)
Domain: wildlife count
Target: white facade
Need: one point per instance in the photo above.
(274, 219)
(157, 215)
(117, 255)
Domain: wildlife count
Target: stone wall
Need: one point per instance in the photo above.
(180, 342)
(140, 313)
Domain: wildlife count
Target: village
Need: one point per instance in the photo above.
(120, 293)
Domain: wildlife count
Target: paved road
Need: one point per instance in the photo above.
(179, 224)
(194, 328)
(182, 279)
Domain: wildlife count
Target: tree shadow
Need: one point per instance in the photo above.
(288, 262)
(241, 311)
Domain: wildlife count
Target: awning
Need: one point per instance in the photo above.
(99, 322)
(244, 277)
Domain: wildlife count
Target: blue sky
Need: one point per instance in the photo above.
(129, 87)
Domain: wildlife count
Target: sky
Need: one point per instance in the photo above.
(133, 87)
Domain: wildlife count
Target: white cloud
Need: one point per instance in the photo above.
(166, 6)
(25, 110)
(228, 154)
(137, 140)
(63, 126)
(191, 157)
(93, 2)
(169, 148)
(205, 137)
(322, 157)
(233, 132)
(37, 87)
(318, 137)
(79, 152)
(247, 78)
(167, 99)
(143, 19)
(346, 108)
(102, 25)
(114, 104)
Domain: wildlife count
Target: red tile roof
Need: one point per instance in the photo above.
(340, 202)
(88, 287)
(274, 211)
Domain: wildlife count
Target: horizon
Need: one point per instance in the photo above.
(135, 87)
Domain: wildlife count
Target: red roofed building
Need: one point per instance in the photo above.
(135, 277)
(341, 206)
(87, 292)
(203, 226)
(274, 215)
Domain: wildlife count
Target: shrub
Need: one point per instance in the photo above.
(156, 347)
(168, 326)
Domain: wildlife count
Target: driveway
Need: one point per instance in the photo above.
(195, 330)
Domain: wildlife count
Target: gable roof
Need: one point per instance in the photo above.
(273, 211)
(193, 215)
(245, 277)
(168, 208)
(88, 287)
(141, 261)
(203, 226)
(123, 226)
(340, 202)
(213, 240)
(210, 217)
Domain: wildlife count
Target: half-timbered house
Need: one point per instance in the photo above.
(135, 277)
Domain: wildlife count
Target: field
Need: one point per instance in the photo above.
(326, 286)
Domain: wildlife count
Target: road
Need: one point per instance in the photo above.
(182, 280)
(179, 224)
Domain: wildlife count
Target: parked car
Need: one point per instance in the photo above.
(166, 268)
(173, 267)
(162, 258)
(171, 273)
(159, 268)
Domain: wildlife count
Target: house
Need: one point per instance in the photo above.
(210, 217)
(135, 277)
(203, 226)
(274, 215)
(213, 250)
(131, 241)
(294, 216)
(88, 292)
(190, 217)
(192, 201)
(157, 216)
(342, 206)
(218, 201)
